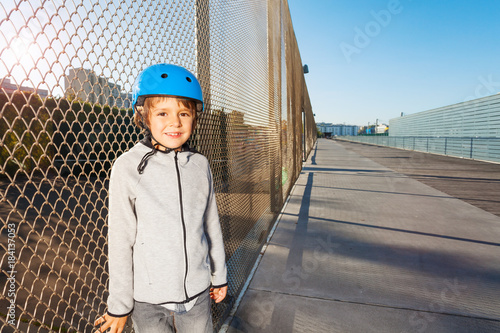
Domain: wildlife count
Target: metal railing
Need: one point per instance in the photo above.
(484, 149)
(66, 72)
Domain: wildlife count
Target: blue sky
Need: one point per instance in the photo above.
(373, 59)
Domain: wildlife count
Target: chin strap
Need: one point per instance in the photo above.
(154, 150)
(157, 143)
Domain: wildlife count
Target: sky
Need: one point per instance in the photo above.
(371, 60)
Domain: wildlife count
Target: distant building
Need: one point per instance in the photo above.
(83, 84)
(330, 130)
(382, 128)
(10, 88)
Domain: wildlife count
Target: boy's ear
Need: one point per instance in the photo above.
(142, 117)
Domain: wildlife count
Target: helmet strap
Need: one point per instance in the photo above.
(157, 143)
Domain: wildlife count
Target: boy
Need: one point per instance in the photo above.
(165, 242)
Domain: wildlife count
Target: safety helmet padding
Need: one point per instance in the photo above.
(166, 80)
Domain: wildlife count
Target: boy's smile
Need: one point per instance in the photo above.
(171, 123)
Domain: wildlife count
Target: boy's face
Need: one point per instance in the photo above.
(171, 123)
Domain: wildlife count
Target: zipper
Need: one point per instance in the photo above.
(183, 223)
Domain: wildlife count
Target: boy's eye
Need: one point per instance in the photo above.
(186, 114)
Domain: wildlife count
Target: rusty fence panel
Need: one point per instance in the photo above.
(66, 70)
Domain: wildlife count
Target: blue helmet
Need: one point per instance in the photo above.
(166, 79)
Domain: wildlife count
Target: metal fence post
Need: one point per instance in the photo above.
(471, 146)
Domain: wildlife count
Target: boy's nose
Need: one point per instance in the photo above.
(175, 122)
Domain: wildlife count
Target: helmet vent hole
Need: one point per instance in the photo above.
(188, 79)
(164, 75)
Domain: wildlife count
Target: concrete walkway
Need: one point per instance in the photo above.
(362, 248)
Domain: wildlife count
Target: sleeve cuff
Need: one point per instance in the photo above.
(219, 285)
(118, 316)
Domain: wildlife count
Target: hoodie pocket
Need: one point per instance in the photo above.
(142, 272)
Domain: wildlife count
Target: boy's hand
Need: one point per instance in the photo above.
(218, 294)
(116, 324)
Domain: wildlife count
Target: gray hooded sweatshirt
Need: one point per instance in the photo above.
(164, 236)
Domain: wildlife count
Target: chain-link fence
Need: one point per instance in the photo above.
(66, 70)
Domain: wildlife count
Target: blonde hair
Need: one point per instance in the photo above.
(141, 116)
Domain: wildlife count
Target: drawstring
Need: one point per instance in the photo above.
(144, 160)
